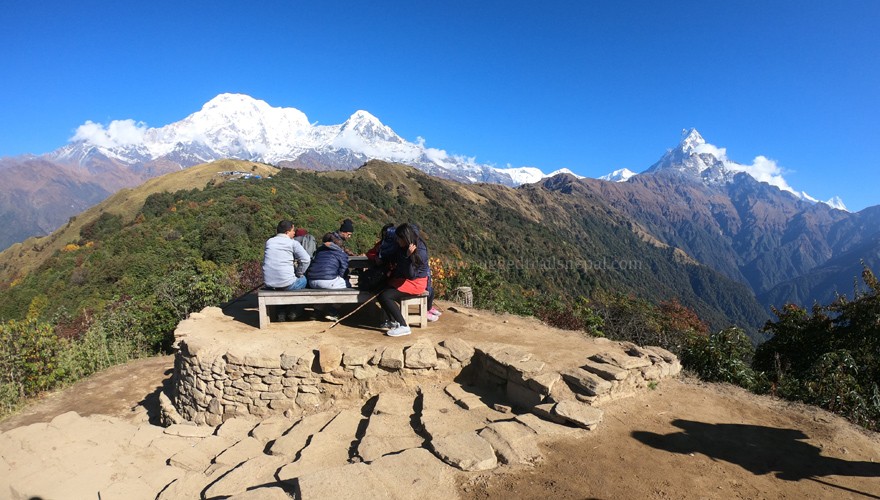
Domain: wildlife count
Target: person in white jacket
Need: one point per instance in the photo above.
(285, 262)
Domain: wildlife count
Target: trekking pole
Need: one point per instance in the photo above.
(358, 308)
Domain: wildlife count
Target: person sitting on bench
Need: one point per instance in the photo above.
(329, 268)
(285, 262)
(410, 278)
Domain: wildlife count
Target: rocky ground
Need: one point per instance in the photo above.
(682, 439)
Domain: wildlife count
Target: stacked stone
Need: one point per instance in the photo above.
(211, 389)
(612, 374)
(528, 383)
(201, 382)
(523, 379)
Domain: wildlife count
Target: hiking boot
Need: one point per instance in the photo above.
(389, 325)
(400, 331)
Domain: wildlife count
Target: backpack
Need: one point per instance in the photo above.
(373, 279)
(309, 243)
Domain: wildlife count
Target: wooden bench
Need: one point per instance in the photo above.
(312, 296)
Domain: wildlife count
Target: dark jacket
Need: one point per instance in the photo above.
(329, 262)
(389, 246)
(406, 268)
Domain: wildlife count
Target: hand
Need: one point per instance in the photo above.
(412, 248)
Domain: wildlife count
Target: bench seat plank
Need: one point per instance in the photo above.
(309, 296)
(306, 296)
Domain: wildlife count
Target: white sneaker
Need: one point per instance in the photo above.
(389, 325)
(400, 331)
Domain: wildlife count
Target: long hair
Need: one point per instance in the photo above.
(409, 234)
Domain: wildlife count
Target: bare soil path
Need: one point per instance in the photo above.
(688, 439)
(685, 439)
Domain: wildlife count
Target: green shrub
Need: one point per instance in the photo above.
(29, 352)
(829, 356)
(724, 356)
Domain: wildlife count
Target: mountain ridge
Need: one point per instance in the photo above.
(493, 226)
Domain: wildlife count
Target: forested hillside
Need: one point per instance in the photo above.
(533, 239)
(114, 283)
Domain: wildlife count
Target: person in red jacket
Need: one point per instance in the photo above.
(410, 277)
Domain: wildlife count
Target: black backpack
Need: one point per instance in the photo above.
(373, 279)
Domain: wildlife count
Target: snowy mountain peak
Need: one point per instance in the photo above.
(224, 109)
(364, 124)
(531, 175)
(242, 127)
(836, 202)
(694, 158)
(231, 101)
(691, 140)
(361, 116)
(699, 160)
(619, 175)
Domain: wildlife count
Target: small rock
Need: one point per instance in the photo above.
(329, 357)
(502, 408)
(579, 414)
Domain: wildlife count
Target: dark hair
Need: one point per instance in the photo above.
(384, 232)
(409, 233)
(331, 238)
(284, 226)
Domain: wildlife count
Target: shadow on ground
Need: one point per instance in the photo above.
(151, 400)
(758, 449)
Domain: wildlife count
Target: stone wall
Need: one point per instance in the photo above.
(211, 388)
(528, 382)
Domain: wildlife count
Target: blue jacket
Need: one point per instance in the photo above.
(389, 248)
(329, 262)
(406, 268)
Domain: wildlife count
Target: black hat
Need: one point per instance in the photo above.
(347, 226)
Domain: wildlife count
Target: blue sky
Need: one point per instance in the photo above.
(592, 86)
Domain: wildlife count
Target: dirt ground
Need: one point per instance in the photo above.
(688, 439)
(685, 439)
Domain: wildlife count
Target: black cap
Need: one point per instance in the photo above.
(347, 226)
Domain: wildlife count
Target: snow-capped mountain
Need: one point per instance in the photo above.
(619, 175)
(239, 126)
(531, 175)
(696, 159)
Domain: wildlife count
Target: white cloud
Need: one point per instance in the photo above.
(118, 133)
(764, 170)
(438, 156)
(720, 153)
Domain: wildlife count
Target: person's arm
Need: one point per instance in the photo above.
(301, 258)
(423, 270)
(343, 270)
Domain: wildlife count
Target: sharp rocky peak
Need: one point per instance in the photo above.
(691, 140)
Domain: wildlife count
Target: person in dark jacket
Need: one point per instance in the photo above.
(329, 267)
(410, 277)
(346, 229)
(383, 250)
